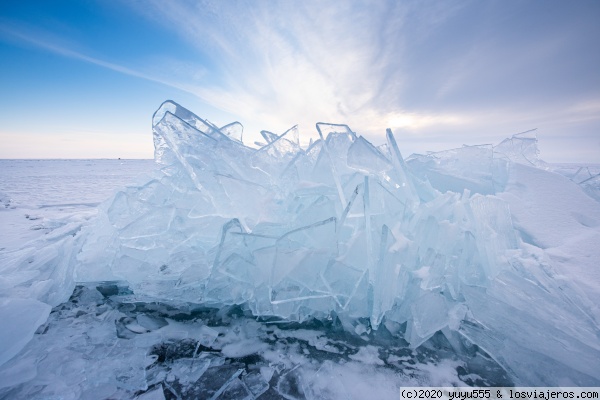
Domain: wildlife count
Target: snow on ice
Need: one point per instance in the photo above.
(483, 248)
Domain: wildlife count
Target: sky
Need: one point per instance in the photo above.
(81, 79)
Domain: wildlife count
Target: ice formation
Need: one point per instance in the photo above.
(341, 230)
(346, 229)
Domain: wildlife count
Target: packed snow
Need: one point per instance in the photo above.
(236, 271)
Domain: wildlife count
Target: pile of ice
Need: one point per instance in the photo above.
(346, 229)
(343, 229)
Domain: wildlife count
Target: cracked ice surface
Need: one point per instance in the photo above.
(159, 351)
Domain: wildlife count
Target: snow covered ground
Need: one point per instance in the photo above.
(38, 194)
(104, 340)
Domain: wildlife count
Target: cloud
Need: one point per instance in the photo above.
(39, 38)
(451, 69)
(31, 37)
(370, 65)
(285, 63)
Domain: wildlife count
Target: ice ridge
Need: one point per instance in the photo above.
(344, 229)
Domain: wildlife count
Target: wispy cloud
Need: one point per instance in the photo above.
(34, 38)
(445, 67)
(38, 38)
(284, 63)
(369, 65)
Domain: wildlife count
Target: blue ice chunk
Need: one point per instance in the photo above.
(337, 140)
(174, 138)
(269, 137)
(194, 121)
(508, 330)
(467, 167)
(365, 157)
(232, 281)
(493, 225)
(273, 157)
(234, 130)
(302, 255)
(325, 130)
(520, 148)
(342, 281)
(21, 319)
(386, 277)
(469, 264)
(429, 315)
(405, 180)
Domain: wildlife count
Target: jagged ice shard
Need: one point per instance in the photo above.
(343, 229)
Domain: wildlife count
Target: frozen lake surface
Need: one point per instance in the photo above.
(337, 271)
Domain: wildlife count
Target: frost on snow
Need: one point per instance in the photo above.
(346, 230)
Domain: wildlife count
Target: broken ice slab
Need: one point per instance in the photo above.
(154, 394)
(236, 270)
(151, 322)
(342, 281)
(521, 148)
(207, 336)
(270, 137)
(315, 240)
(467, 167)
(292, 385)
(177, 141)
(21, 319)
(527, 342)
(365, 157)
(189, 370)
(494, 230)
(582, 175)
(225, 248)
(256, 383)
(236, 241)
(216, 380)
(326, 129)
(429, 315)
(43, 270)
(234, 130)
(231, 281)
(273, 157)
(337, 139)
(312, 208)
(468, 263)
(301, 256)
(234, 390)
(405, 178)
(203, 157)
(281, 146)
(386, 277)
(386, 200)
(153, 223)
(303, 166)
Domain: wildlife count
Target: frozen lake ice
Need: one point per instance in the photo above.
(338, 271)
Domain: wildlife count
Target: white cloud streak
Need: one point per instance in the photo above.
(35, 39)
(187, 76)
